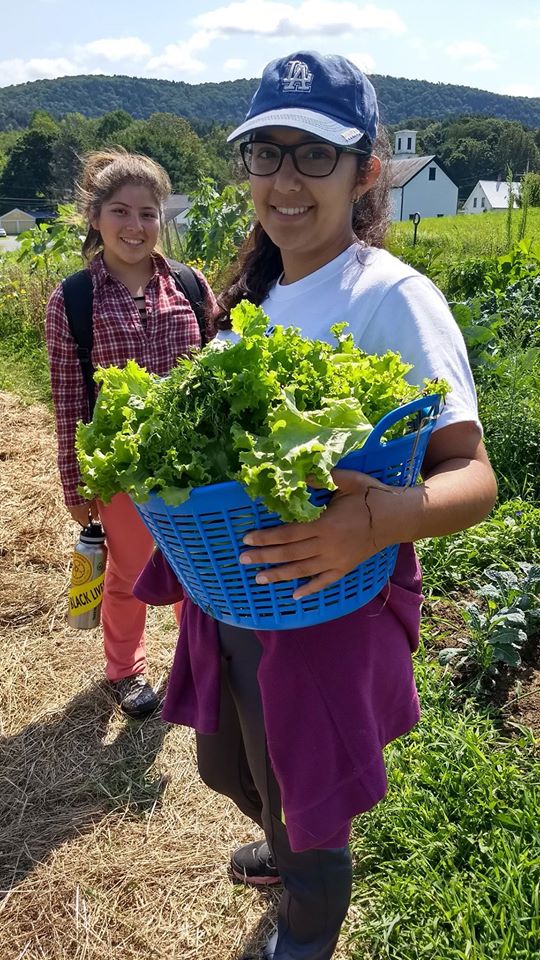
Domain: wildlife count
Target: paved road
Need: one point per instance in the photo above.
(9, 243)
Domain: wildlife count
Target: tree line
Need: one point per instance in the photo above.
(479, 148)
(40, 164)
(227, 102)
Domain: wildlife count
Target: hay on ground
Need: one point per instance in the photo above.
(110, 845)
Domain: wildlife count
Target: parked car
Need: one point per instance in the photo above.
(2, 232)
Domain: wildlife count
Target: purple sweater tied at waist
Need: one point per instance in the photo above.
(333, 696)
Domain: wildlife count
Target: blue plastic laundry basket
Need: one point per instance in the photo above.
(202, 538)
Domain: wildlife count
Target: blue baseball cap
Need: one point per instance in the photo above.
(327, 96)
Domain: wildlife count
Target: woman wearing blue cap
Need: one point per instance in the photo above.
(292, 724)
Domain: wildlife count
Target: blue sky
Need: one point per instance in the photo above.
(491, 45)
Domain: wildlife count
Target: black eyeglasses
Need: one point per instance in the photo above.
(316, 158)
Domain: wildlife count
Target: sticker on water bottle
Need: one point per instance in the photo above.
(81, 571)
(87, 596)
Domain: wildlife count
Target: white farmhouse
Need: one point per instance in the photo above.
(419, 184)
(490, 195)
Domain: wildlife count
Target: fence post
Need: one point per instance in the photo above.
(416, 218)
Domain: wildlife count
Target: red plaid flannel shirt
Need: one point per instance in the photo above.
(171, 331)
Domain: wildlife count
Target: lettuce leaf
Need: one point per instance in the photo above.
(300, 445)
(267, 410)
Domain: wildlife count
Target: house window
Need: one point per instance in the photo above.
(399, 143)
(483, 202)
(475, 201)
(432, 173)
(409, 143)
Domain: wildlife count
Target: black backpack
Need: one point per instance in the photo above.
(78, 301)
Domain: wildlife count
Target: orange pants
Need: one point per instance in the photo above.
(123, 617)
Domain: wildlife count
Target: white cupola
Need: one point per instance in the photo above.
(405, 143)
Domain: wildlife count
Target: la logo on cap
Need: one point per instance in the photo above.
(298, 77)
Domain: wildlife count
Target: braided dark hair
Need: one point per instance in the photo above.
(259, 263)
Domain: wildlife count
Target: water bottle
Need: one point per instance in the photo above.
(87, 578)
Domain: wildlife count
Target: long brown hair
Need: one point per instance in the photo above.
(259, 263)
(106, 171)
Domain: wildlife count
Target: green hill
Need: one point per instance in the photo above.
(226, 102)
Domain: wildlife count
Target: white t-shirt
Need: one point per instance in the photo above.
(388, 306)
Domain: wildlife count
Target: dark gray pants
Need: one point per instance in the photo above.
(235, 762)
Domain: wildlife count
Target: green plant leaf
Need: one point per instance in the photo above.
(448, 654)
(267, 410)
(507, 654)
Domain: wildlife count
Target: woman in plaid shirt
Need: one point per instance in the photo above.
(138, 314)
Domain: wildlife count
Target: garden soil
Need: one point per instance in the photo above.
(110, 846)
(517, 693)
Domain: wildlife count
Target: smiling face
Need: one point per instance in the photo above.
(129, 223)
(308, 218)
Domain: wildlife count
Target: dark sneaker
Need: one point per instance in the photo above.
(135, 696)
(253, 864)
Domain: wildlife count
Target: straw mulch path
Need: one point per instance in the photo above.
(110, 846)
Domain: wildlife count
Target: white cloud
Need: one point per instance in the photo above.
(521, 90)
(18, 70)
(472, 55)
(270, 19)
(327, 17)
(466, 49)
(233, 66)
(175, 59)
(528, 23)
(422, 50)
(363, 60)
(119, 48)
(178, 59)
(479, 66)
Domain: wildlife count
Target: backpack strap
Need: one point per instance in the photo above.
(189, 284)
(78, 300)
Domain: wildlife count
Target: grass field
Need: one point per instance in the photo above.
(465, 235)
(23, 364)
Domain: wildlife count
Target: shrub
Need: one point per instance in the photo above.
(531, 182)
(509, 403)
(505, 614)
(218, 225)
(492, 275)
(509, 536)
